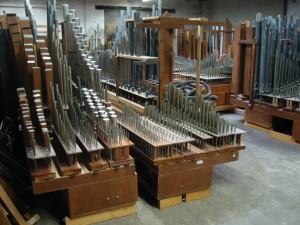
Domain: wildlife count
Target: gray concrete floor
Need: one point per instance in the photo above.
(262, 187)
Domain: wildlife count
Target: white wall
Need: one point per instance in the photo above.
(237, 10)
(293, 9)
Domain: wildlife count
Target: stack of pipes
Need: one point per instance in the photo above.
(212, 68)
(104, 117)
(61, 122)
(277, 69)
(188, 118)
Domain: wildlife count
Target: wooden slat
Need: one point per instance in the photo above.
(169, 202)
(166, 50)
(37, 79)
(100, 217)
(3, 216)
(11, 207)
(283, 137)
(197, 195)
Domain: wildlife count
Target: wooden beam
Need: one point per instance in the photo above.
(199, 40)
(11, 207)
(166, 55)
(109, 7)
(159, 25)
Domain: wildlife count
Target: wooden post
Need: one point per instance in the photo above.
(252, 70)
(14, 211)
(226, 34)
(166, 56)
(239, 34)
(198, 61)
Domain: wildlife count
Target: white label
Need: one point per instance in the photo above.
(199, 162)
(32, 220)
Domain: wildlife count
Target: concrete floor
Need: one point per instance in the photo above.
(262, 187)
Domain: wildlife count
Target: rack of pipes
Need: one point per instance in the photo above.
(277, 68)
(216, 36)
(266, 73)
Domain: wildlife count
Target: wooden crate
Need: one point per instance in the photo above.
(173, 182)
(89, 193)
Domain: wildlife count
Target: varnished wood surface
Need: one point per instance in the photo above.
(85, 177)
(102, 196)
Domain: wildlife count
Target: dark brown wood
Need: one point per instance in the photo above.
(100, 164)
(252, 71)
(65, 169)
(16, 38)
(124, 162)
(250, 33)
(20, 61)
(274, 111)
(102, 196)
(184, 181)
(296, 130)
(37, 79)
(222, 91)
(258, 117)
(166, 55)
(48, 80)
(238, 102)
(41, 173)
(239, 34)
(122, 153)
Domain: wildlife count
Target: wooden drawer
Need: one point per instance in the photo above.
(259, 118)
(102, 196)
